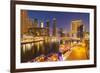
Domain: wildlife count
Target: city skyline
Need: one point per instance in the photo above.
(63, 19)
(51, 41)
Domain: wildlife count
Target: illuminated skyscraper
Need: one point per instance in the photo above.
(35, 23)
(80, 31)
(61, 32)
(75, 26)
(54, 27)
(25, 22)
(48, 27)
(41, 24)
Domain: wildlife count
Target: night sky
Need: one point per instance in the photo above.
(63, 19)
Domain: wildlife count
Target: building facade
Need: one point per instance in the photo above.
(77, 29)
(25, 22)
(54, 33)
(31, 27)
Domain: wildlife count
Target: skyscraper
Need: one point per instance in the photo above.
(75, 24)
(41, 24)
(61, 32)
(54, 27)
(80, 31)
(35, 23)
(25, 22)
(48, 27)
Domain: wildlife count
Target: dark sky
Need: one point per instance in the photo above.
(63, 18)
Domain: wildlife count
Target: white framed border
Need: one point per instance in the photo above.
(20, 65)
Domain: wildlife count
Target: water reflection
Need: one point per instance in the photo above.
(32, 50)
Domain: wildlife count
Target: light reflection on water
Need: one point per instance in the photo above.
(32, 50)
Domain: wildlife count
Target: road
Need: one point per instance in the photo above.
(77, 52)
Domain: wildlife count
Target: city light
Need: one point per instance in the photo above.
(44, 40)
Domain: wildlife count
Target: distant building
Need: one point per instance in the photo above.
(80, 31)
(61, 32)
(29, 27)
(48, 27)
(86, 35)
(25, 22)
(54, 27)
(77, 29)
(75, 24)
(41, 24)
(38, 30)
(35, 23)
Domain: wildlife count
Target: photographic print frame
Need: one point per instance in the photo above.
(49, 8)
